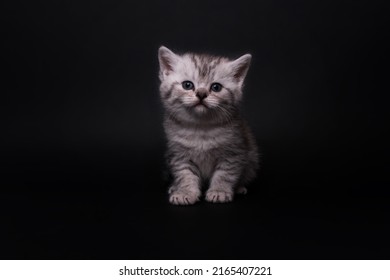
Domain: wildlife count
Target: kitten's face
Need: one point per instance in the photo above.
(200, 86)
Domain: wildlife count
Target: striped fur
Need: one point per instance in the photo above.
(208, 141)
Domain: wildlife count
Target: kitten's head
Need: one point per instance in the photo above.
(195, 87)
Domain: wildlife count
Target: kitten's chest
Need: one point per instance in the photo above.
(203, 148)
(201, 141)
(205, 162)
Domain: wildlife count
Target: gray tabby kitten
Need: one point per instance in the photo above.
(208, 141)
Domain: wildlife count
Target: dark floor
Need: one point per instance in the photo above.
(116, 210)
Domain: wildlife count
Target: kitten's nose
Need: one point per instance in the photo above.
(202, 93)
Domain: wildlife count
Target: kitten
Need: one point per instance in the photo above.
(208, 141)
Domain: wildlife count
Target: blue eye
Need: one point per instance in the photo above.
(216, 87)
(187, 85)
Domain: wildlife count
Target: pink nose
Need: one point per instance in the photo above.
(202, 93)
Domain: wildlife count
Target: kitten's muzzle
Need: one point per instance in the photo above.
(201, 93)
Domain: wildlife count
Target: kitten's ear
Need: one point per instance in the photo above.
(240, 67)
(167, 60)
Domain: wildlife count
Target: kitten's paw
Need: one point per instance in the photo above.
(183, 197)
(219, 196)
(172, 189)
(241, 190)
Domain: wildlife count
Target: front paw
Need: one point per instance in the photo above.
(219, 196)
(183, 197)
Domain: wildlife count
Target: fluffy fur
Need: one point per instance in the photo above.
(208, 141)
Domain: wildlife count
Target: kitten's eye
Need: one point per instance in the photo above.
(187, 85)
(216, 87)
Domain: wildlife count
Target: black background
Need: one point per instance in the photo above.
(82, 142)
